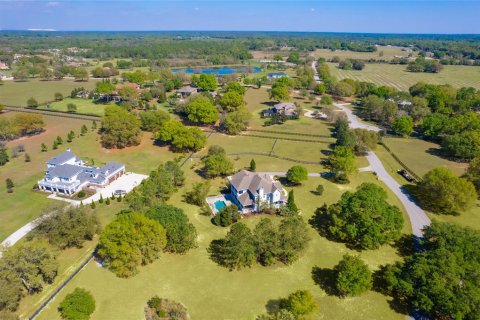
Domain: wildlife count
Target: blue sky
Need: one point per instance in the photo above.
(415, 16)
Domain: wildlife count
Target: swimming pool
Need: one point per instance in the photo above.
(219, 70)
(219, 205)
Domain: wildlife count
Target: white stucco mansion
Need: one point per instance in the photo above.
(67, 174)
(249, 190)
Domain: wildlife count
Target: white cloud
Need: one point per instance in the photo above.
(312, 9)
(53, 4)
(196, 8)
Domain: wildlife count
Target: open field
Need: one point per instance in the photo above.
(83, 106)
(17, 93)
(212, 292)
(207, 290)
(419, 160)
(389, 52)
(15, 209)
(421, 156)
(396, 75)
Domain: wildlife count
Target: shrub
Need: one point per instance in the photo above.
(81, 194)
(78, 305)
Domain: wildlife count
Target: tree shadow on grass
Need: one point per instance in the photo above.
(274, 305)
(380, 286)
(405, 246)
(325, 278)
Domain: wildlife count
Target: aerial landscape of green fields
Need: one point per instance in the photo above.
(327, 170)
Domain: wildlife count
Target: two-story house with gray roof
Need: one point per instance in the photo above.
(250, 190)
(67, 174)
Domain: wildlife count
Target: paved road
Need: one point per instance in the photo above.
(418, 218)
(354, 121)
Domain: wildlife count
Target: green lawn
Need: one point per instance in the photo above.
(86, 106)
(212, 292)
(397, 76)
(388, 52)
(421, 156)
(17, 93)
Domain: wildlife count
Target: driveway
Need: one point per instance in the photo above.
(354, 121)
(126, 182)
(418, 217)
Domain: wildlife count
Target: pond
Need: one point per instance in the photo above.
(222, 70)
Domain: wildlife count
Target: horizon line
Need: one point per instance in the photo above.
(52, 30)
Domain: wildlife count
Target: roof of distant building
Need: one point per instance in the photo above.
(187, 89)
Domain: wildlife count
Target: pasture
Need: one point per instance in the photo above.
(86, 106)
(396, 76)
(212, 292)
(16, 93)
(382, 53)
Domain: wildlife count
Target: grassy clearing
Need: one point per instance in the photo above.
(212, 292)
(389, 52)
(15, 210)
(17, 93)
(421, 156)
(417, 160)
(397, 76)
(83, 106)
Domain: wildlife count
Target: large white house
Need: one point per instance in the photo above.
(250, 190)
(67, 174)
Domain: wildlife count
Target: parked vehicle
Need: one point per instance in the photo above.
(405, 174)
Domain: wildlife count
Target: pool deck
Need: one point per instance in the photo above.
(211, 202)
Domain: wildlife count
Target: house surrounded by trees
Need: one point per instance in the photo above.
(67, 174)
(250, 191)
(287, 109)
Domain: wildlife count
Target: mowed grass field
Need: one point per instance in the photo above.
(83, 106)
(396, 75)
(212, 292)
(383, 52)
(16, 93)
(415, 154)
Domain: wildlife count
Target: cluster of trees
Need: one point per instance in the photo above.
(352, 64)
(180, 137)
(235, 117)
(131, 240)
(120, 128)
(342, 163)
(67, 227)
(227, 216)
(358, 140)
(441, 191)
(134, 239)
(197, 196)
(158, 188)
(298, 305)
(281, 88)
(423, 65)
(21, 124)
(25, 269)
(201, 110)
(266, 244)
(181, 234)
(363, 219)
(442, 279)
(205, 82)
(216, 163)
(152, 120)
(105, 71)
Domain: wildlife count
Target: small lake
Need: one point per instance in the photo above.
(219, 70)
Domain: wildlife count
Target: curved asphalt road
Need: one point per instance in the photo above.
(418, 218)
